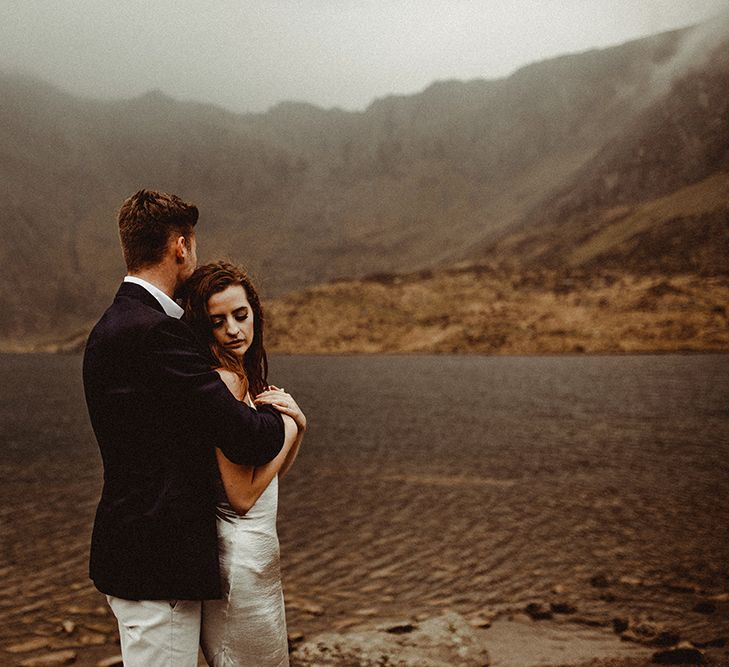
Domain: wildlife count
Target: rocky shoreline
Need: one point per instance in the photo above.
(511, 640)
(537, 636)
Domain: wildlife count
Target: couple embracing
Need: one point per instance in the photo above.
(193, 441)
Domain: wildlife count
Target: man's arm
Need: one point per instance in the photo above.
(244, 435)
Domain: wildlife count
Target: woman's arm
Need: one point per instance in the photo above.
(287, 406)
(292, 453)
(244, 484)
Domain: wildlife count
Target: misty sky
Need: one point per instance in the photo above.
(250, 54)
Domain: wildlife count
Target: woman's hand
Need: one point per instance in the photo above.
(284, 403)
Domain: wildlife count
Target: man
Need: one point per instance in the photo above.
(158, 412)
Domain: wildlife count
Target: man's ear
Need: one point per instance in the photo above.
(181, 249)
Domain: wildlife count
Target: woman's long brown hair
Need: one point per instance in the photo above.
(210, 279)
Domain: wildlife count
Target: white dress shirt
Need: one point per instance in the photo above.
(169, 306)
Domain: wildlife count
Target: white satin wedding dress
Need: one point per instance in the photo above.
(247, 628)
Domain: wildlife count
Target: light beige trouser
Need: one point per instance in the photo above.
(158, 633)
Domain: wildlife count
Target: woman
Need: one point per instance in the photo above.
(248, 626)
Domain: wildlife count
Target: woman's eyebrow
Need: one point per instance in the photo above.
(241, 308)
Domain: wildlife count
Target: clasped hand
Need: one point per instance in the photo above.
(284, 403)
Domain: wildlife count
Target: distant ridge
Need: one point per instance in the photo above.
(524, 172)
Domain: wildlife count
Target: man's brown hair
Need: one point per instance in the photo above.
(147, 220)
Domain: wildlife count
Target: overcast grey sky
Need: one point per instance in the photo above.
(250, 54)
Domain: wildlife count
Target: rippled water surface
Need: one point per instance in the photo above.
(425, 483)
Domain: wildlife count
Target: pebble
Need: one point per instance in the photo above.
(620, 625)
(294, 638)
(94, 611)
(645, 632)
(483, 619)
(113, 661)
(27, 646)
(92, 639)
(705, 607)
(709, 642)
(369, 611)
(599, 581)
(537, 611)
(309, 608)
(103, 628)
(371, 588)
(682, 587)
(562, 607)
(344, 623)
(682, 654)
(57, 658)
(43, 632)
(594, 621)
(400, 628)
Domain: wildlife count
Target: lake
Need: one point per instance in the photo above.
(425, 483)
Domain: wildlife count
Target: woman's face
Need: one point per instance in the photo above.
(231, 319)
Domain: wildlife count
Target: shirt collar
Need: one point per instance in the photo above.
(168, 305)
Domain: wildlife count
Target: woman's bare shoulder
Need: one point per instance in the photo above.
(232, 381)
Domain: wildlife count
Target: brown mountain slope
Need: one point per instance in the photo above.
(301, 194)
(656, 198)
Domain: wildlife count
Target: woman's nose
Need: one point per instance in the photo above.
(233, 328)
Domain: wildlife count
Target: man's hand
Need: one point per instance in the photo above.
(284, 403)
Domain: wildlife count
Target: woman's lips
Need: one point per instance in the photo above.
(235, 343)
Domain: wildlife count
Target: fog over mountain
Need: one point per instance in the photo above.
(248, 56)
(617, 155)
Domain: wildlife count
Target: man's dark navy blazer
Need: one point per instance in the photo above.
(158, 412)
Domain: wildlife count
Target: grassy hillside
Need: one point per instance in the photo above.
(476, 309)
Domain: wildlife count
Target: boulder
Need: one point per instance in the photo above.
(442, 641)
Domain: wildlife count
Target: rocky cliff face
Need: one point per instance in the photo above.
(654, 198)
(526, 170)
